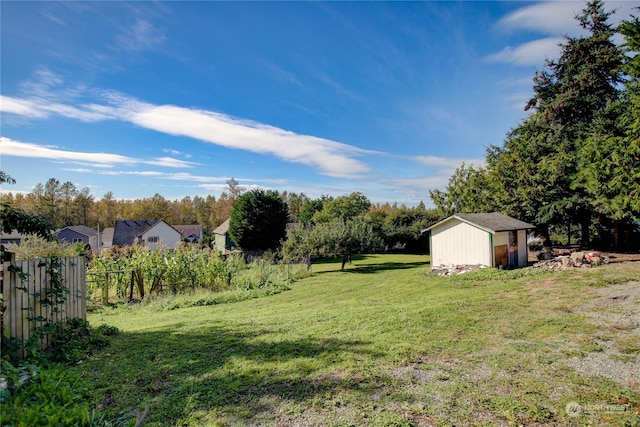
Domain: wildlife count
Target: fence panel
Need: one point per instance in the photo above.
(27, 300)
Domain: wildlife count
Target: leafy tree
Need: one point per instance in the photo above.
(83, 204)
(343, 207)
(310, 208)
(50, 200)
(295, 203)
(338, 238)
(467, 192)
(156, 207)
(12, 218)
(402, 230)
(258, 220)
(6, 178)
(67, 194)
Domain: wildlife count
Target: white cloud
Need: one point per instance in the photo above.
(549, 17)
(448, 162)
(169, 162)
(329, 157)
(531, 53)
(101, 160)
(558, 17)
(21, 107)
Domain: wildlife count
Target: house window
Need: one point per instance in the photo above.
(153, 239)
(77, 240)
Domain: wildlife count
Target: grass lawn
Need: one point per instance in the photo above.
(383, 344)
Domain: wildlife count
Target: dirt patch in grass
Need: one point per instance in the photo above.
(615, 311)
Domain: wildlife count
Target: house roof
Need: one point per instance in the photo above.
(81, 229)
(222, 228)
(491, 221)
(125, 232)
(14, 235)
(189, 230)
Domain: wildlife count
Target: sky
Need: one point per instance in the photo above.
(321, 98)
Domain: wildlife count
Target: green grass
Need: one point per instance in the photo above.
(382, 343)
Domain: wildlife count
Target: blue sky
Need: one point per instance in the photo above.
(175, 98)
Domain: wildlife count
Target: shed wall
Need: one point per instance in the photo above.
(523, 250)
(456, 242)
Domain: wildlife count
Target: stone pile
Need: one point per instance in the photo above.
(452, 270)
(577, 259)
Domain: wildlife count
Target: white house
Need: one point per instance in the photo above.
(490, 239)
(153, 234)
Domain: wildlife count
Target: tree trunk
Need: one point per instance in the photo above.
(544, 230)
(585, 237)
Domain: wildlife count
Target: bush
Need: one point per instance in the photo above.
(53, 397)
(75, 340)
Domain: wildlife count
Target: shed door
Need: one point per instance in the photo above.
(501, 255)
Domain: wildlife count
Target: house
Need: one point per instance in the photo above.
(80, 234)
(490, 239)
(223, 241)
(107, 237)
(13, 237)
(154, 234)
(190, 233)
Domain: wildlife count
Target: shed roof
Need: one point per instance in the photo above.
(222, 228)
(490, 221)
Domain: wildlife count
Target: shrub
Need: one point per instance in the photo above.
(53, 397)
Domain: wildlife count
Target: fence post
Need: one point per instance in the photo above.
(105, 291)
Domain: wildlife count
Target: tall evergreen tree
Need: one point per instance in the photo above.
(258, 220)
(539, 164)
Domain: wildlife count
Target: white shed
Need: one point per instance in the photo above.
(490, 239)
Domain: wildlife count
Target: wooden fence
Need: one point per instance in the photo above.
(27, 294)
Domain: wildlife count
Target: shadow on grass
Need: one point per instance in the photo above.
(234, 374)
(374, 268)
(367, 266)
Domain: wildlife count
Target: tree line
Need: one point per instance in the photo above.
(572, 166)
(62, 204)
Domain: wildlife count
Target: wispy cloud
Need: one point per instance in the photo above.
(448, 162)
(142, 35)
(532, 53)
(328, 157)
(548, 17)
(102, 160)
